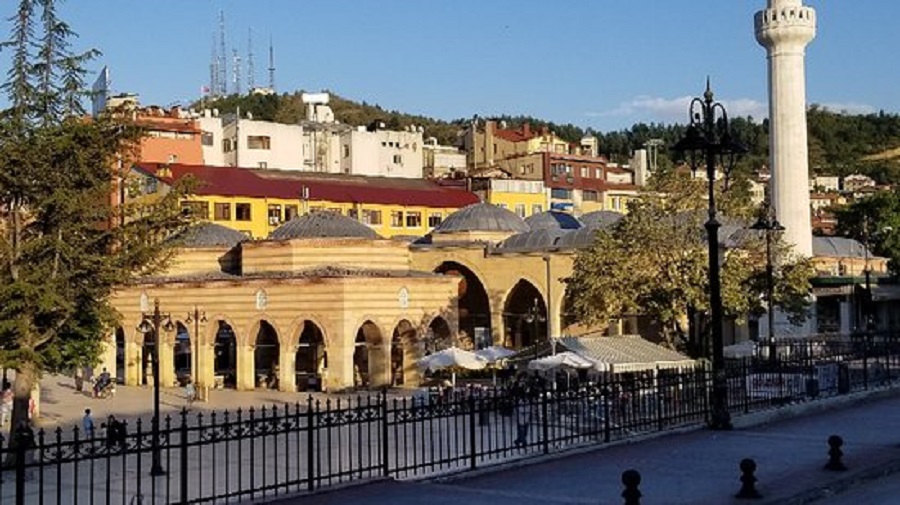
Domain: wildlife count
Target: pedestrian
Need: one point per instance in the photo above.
(115, 433)
(190, 392)
(523, 420)
(6, 404)
(87, 422)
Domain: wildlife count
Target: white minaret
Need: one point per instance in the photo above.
(784, 29)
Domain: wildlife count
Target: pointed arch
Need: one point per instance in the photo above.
(225, 363)
(368, 356)
(524, 315)
(473, 302)
(404, 353)
(310, 358)
(266, 354)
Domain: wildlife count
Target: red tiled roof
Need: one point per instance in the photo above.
(513, 135)
(231, 181)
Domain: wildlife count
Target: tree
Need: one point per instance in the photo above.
(654, 262)
(874, 220)
(60, 255)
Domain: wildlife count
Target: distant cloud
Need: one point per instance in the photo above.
(849, 108)
(675, 110)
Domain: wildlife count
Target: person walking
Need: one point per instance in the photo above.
(523, 421)
(87, 422)
(190, 392)
(6, 404)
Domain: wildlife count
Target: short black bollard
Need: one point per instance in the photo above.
(835, 454)
(748, 480)
(631, 479)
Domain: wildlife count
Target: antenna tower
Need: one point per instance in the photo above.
(223, 57)
(251, 70)
(236, 71)
(271, 66)
(213, 71)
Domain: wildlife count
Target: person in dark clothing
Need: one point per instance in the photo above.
(116, 433)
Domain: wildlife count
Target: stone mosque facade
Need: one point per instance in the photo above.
(326, 304)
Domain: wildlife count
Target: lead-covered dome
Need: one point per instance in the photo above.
(601, 218)
(534, 240)
(553, 220)
(207, 234)
(323, 225)
(482, 217)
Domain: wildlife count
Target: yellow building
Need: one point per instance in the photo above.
(256, 202)
(522, 197)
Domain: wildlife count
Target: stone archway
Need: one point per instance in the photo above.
(225, 357)
(370, 365)
(524, 316)
(404, 354)
(473, 303)
(120, 355)
(311, 358)
(182, 354)
(438, 336)
(266, 353)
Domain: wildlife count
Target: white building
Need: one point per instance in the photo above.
(373, 151)
(441, 161)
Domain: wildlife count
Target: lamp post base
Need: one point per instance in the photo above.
(720, 418)
(156, 470)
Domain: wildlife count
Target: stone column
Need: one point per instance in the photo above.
(205, 364)
(287, 377)
(246, 368)
(166, 364)
(133, 363)
(411, 375)
(339, 375)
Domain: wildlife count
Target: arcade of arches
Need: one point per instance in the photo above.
(283, 320)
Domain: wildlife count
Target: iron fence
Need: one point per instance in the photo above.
(257, 454)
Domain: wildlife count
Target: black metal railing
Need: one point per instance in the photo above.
(258, 454)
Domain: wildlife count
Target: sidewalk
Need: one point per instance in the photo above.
(696, 467)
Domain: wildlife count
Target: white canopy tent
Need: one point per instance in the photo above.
(495, 353)
(454, 359)
(562, 360)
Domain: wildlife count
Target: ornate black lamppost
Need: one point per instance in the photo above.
(708, 138)
(196, 316)
(770, 226)
(150, 323)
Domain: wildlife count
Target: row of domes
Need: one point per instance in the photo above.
(479, 217)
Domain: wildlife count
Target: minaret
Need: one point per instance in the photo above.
(784, 29)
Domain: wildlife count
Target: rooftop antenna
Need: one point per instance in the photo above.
(223, 68)
(213, 70)
(251, 70)
(271, 65)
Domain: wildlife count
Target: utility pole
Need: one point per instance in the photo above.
(271, 66)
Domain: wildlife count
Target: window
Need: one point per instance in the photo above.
(584, 172)
(397, 219)
(502, 205)
(413, 219)
(372, 217)
(150, 185)
(262, 164)
(290, 212)
(537, 208)
(590, 196)
(398, 160)
(242, 211)
(274, 214)
(259, 142)
(173, 158)
(599, 174)
(207, 139)
(346, 150)
(520, 210)
(561, 193)
(197, 210)
(435, 219)
(222, 211)
(336, 210)
(353, 214)
(226, 145)
(615, 203)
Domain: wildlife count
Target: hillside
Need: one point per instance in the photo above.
(839, 144)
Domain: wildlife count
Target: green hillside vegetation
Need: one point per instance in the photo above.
(839, 144)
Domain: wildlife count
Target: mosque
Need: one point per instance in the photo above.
(327, 304)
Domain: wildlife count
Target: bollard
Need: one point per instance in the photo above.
(748, 480)
(835, 454)
(631, 479)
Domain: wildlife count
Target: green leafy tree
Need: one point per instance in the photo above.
(64, 247)
(874, 220)
(654, 262)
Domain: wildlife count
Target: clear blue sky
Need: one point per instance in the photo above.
(603, 64)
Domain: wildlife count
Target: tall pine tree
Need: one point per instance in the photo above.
(64, 245)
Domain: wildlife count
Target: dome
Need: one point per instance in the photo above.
(553, 219)
(209, 235)
(601, 218)
(578, 239)
(482, 217)
(534, 240)
(323, 224)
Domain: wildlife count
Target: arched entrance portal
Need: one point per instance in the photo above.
(265, 356)
(182, 354)
(404, 355)
(225, 364)
(525, 316)
(120, 355)
(473, 303)
(438, 336)
(369, 362)
(311, 361)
